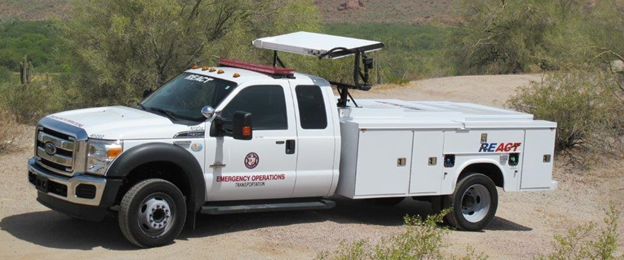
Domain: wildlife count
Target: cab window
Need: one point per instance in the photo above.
(266, 104)
(312, 114)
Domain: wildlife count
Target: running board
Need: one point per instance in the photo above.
(250, 207)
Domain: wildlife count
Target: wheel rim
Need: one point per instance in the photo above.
(156, 216)
(475, 203)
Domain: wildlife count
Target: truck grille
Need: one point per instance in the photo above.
(55, 151)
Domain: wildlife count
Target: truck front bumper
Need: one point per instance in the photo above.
(81, 196)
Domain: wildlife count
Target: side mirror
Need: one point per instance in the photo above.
(241, 126)
(147, 92)
(207, 111)
(241, 123)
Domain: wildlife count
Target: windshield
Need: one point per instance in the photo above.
(183, 97)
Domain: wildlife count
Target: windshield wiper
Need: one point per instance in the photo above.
(167, 113)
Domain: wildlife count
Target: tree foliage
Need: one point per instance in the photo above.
(124, 47)
(498, 36)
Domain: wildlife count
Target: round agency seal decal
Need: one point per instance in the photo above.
(196, 147)
(252, 160)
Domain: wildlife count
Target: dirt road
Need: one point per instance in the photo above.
(523, 228)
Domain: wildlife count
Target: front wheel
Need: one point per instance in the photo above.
(152, 213)
(473, 203)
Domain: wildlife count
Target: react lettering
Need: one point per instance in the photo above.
(496, 147)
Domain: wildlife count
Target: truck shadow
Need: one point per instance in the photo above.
(54, 230)
(501, 224)
(346, 212)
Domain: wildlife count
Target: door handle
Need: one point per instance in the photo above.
(217, 166)
(290, 146)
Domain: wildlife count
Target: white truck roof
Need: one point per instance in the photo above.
(316, 44)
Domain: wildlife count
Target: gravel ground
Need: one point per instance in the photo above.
(524, 225)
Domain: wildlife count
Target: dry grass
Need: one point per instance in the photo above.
(8, 133)
(385, 11)
(34, 10)
(14, 137)
(395, 11)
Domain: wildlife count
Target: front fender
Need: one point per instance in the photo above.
(163, 152)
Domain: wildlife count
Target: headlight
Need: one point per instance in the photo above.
(100, 155)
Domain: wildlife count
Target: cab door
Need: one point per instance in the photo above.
(261, 168)
(316, 143)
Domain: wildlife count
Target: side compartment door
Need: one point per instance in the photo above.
(383, 163)
(261, 168)
(316, 142)
(537, 159)
(427, 163)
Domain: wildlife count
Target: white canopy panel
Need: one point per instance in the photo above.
(316, 44)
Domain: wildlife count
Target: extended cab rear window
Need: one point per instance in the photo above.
(312, 113)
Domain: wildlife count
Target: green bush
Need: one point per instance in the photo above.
(584, 104)
(5, 74)
(422, 239)
(585, 242)
(39, 40)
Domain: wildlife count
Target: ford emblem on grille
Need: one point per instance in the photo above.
(50, 148)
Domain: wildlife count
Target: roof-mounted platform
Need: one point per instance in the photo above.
(316, 44)
(330, 47)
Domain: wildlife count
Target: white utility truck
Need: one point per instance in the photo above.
(242, 137)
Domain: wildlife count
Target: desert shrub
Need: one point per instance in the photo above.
(498, 37)
(590, 241)
(28, 103)
(584, 105)
(422, 239)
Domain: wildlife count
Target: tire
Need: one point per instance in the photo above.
(387, 202)
(152, 213)
(473, 203)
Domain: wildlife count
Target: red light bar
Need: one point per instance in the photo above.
(256, 67)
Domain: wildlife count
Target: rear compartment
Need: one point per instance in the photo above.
(393, 148)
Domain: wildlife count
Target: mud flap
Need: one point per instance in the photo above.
(190, 220)
(437, 204)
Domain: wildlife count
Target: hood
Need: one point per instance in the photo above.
(121, 123)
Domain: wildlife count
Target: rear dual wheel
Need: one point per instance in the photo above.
(152, 213)
(473, 203)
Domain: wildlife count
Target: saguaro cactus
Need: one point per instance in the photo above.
(26, 69)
